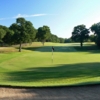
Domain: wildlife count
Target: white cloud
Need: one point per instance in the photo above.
(4, 18)
(24, 15)
(38, 15)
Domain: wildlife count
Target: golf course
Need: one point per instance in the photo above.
(49, 50)
(38, 66)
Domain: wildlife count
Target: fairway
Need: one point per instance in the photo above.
(34, 66)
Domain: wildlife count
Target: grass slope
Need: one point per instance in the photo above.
(34, 67)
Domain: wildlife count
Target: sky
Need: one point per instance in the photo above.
(60, 15)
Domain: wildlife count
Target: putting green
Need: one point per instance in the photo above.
(34, 67)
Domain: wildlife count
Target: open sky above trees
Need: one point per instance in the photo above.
(60, 15)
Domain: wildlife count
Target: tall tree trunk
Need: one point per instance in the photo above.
(81, 44)
(43, 42)
(20, 47)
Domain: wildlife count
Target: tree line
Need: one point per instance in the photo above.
(81, 33)
(23, 31)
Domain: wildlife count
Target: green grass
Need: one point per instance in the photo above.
(34, 66)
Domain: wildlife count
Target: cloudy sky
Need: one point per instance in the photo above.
(60, 15)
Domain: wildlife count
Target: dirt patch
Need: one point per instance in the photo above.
(61, 93)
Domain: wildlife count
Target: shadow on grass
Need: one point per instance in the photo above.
(87, 48)
(82, 70)
(49, 49)
(90, 49)
(31, 48)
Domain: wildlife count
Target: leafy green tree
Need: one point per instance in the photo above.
(2, 34)
(16, 36)
(3, 31)
(43, 34)
(92, 38)
(80, 33)
(54, 38)
(95, 28)
(61, 40)
(23, 32)
(68, 40)
(8, 37)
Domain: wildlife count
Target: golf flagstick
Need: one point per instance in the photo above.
(52, 55)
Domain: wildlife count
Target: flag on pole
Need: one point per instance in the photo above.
(52, 48)
(52, 53)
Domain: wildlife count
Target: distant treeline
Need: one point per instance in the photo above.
(23, 31)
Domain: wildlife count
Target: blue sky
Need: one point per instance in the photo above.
(60, 15)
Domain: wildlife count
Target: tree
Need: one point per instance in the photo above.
(43, 33)
(96, 29)
(23, 32)
(61, 40)
(8, 37)
(3, 31)
(2, 34)
(92, 38)
(80, 33)
(54, 38)
(69, 40)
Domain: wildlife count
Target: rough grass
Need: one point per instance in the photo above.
(34, 66)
